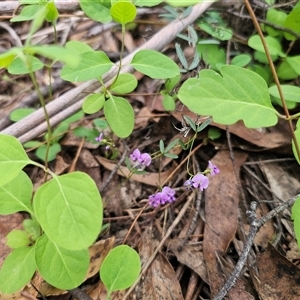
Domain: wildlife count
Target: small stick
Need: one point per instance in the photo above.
(255, 225)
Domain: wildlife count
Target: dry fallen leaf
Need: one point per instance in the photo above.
(221, 214)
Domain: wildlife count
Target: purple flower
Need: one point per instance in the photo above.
(170, 193)
(136, 154)
(200, 181)
(213, 169)
(140, 160)
(188, 184)
(167, 195)
(99, 138)
(145, 159)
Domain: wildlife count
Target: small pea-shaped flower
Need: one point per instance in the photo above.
(213, 169)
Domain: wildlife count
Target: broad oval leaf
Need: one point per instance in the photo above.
(66, 269)
(290, 92)
(16, 195)
(55, 53)
(20, 113)
(53, 150)
(93, 64)
(273, 44)
(155, 64)
(17, 269)
(97, 10)
(13, 158)
(236, 94)
(120, 116)
(93, 103)
(18, 66)
(120, 268)
(294, 62)
(123, 12)
(69, 210)
(292, 22)
(124, 84)
(241, 60)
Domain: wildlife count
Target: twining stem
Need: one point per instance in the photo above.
(286, 111)
(43, 104)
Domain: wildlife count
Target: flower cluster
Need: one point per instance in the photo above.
(140, 160)
(167, 195)
(201, 181)
(106, 141)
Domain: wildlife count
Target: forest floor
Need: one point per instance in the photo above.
(200, 236)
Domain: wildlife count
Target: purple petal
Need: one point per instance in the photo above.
(136, 154)
(200, 181)
(99, 138)
(145, 159)
(188, 184)
(213, 169)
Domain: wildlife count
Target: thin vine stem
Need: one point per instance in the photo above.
(286, 111)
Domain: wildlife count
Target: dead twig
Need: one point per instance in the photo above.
(255, 225)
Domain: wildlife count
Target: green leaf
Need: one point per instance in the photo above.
(148, 3)
(58, 133)
(120, 268)
(13, 158)
(276, 17)
(17, 269)
(297, 135)
(66, 269)
(97, 10)
(78, 47)
(74, 118)
(264, 72)
(290, 92)
(20, 113)
(230, 97)
(19, 66)
(100, 123)
(32, 228)
(155, 64)
(120, 116)
(213, 133)
(124, 84)
(292, 22)
(241, 60)
(27, 14)
(172, 82)
(37, 21)
(168, 102)
(123, 12)
(172, 145)
(274, 46)
(69, 209)
(93, 65)
(294, 62)
(55, 53)
(220, 32)
(32, 144)
(17, 238)
(52, 13)
(296, 216)
(7, 58)
(54, 149)
(87, 133)
(182, 3)
(161, 146)
(262, 57)
(93, 103)
(171, 155)
(286, 72)
(212, 54)
(16, 195)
